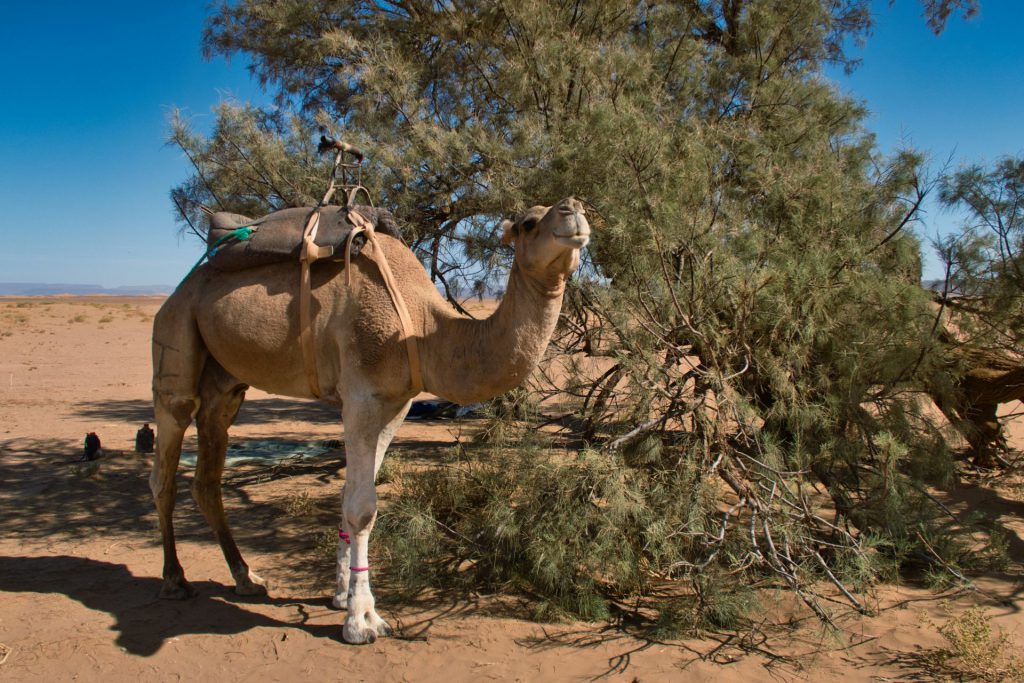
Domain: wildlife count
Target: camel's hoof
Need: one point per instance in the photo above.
(359, 636)
(383, 628)
(251, 585)
(361, 632)
(176, 589)
(340, 601)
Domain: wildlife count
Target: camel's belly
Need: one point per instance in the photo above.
(253, 334)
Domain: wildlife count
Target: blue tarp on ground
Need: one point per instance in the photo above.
(267, 452)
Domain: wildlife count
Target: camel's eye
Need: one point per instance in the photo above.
(529, 224)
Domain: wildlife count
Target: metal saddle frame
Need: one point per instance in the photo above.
(311, 252)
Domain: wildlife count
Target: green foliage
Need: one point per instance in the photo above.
(985, 259)
(718, 604)
(575, 531)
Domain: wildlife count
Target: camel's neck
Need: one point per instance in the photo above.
(467, 361)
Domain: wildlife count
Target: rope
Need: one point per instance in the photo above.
(238, 234)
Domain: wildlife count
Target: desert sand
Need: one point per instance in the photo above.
(80, 558)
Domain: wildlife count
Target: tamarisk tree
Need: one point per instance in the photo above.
(982, 295)
(747, 339)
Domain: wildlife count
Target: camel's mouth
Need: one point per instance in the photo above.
(573, 241)
(575, 231)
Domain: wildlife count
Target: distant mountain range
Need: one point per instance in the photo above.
(48, 289)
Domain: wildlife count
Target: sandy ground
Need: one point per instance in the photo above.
(80, 558)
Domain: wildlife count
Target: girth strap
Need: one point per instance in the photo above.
(310, 253)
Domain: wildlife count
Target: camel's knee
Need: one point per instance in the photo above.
(173, 416)
(179, 408)
(360, 509)
(164, 488)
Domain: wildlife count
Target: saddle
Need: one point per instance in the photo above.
(306, 235)
(278, 236)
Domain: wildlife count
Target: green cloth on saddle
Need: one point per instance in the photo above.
(278, 236)
(237, 235)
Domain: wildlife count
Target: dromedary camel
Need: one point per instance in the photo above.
(220, 333)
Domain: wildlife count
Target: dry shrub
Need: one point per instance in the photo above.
(86, 470)
(325, 546)
(299, 504)
(390, 471)
(976, 650)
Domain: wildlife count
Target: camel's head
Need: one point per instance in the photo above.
(548, 239)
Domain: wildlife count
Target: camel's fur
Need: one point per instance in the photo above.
(220, 333)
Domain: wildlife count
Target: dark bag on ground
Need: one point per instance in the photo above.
(278, 236)
(144, 439)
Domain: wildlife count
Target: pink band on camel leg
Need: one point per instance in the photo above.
(359, 569)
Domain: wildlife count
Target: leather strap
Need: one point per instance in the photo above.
(310, 253)
(376, 254)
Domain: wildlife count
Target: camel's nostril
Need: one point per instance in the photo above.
(571, 206)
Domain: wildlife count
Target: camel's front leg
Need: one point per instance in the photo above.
(344, 556)
(369, 427)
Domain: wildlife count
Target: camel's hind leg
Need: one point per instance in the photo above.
(171, 421)
(221, 396)
(178, 355)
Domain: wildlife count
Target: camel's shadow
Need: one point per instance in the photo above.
(143, 621)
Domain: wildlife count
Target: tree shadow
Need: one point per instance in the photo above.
(920, 665)
(45, 496)
(143, 622)
(253, 412)
(257, 411)
(993, 504)
(44, 493)
(633, 634)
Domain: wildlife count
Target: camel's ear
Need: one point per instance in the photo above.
(508, 232)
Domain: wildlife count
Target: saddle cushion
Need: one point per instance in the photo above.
(278, 236)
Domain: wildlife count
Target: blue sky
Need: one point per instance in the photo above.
(87, 89)
(84, 169)
(958, 97)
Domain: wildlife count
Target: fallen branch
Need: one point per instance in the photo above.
(645, 427)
